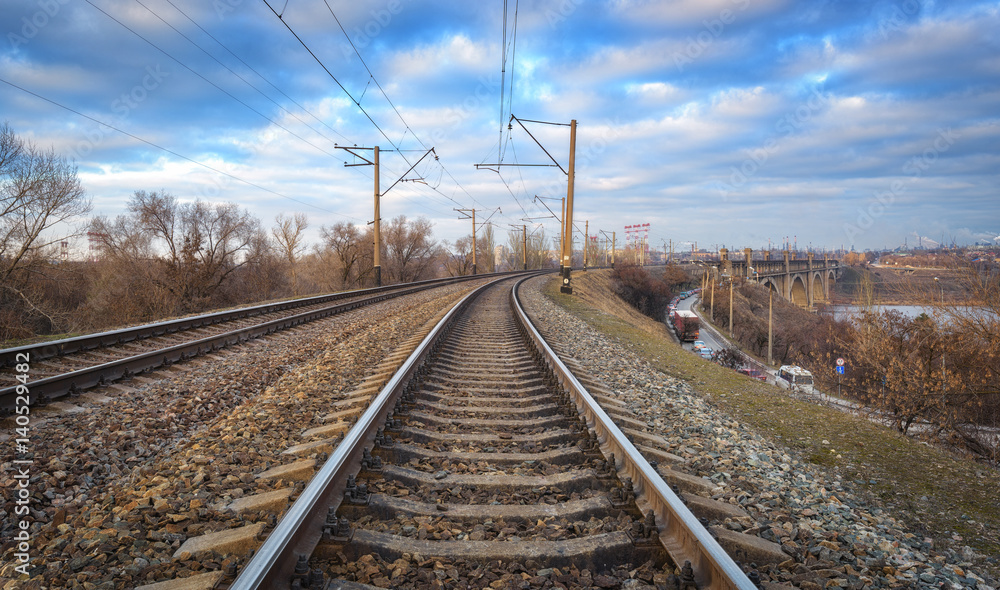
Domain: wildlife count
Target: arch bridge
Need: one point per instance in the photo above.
(804, 282)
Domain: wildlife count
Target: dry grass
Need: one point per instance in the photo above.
(895, 286)
(937, 494)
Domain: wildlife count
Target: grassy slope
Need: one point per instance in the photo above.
(960, 496)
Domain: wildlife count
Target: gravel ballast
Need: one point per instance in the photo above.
(835, 539)
(116, 489)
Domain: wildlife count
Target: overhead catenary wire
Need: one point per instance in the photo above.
(502, 150)
(188, 68)
(230, 70)
(261, 76)
(329, 73)
(372, 76)
(172, 152)
(406, 126)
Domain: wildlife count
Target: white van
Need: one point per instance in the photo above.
(795, 378)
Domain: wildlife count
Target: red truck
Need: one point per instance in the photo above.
(686, 325)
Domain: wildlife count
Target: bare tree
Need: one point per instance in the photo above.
(38, 191)
(410, 252)
(265, 275)
(538, 249)
(593, 249)
(486, 244)
(515, 243)
(288, 234)
(193, 248)
(350, 252)
(458, 258)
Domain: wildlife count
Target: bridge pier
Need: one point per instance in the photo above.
(803, 282)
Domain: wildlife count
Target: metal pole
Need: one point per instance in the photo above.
(562, 234)
(378, 232)
(944, 375)
(524, 245)
(612, 249)
(731, 306)
(586, 243)
(770, 339)
(473, 242)
(567, 287)
(711, 312)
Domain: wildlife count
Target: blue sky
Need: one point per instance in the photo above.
(726, 122)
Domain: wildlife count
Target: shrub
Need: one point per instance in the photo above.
(640, 290)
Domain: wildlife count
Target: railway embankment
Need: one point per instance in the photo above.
(862, 505)
(120, 483)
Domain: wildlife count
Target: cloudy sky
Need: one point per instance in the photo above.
(726, 122)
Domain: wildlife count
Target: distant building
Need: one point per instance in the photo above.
(500, 254)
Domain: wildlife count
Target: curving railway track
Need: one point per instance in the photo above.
(484, 462)
(69, 366)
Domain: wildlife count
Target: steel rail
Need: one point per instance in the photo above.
(44, 350)
(684, 538)
(102, 374)
(300, 529)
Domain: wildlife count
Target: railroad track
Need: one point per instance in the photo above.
(484, 460)
(69, 366)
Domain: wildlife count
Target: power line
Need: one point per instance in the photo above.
(406, 126)
(332, 77)
(373, 78)
(230, 70)
(503, 74)
(188, 68)
(169, 151)
(261, 76)
(513, 54)
(271, 84)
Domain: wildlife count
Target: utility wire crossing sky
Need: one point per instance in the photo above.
(727, 122)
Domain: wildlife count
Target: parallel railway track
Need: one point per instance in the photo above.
(484, 452)
(69, 366)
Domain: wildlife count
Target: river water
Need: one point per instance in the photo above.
(840, 312)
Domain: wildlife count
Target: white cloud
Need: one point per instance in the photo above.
(688, 12)
(451, 55)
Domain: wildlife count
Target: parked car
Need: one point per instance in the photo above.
(706, 353)
(754, 373)
(698, 345)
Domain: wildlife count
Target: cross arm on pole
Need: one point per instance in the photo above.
(403, 177)
(542, 201)
(513, 118)
(354, 152)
